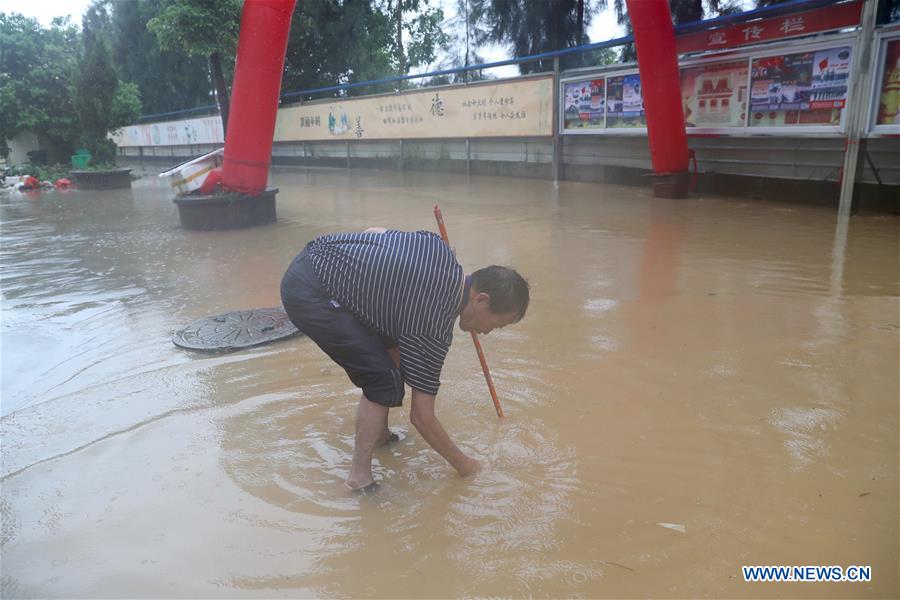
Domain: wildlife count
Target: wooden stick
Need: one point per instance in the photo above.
(478, 350)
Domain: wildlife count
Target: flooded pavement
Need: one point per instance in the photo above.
(698, 385)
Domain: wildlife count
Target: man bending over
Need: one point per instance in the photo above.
(382, 304)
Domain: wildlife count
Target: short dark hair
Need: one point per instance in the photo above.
(508, 290)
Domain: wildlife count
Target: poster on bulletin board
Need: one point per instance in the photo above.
(715, 95)
(584, 104)
(624, 102)
(806, 88)
(889, 98)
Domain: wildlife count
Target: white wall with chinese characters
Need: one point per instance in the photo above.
(185, 132)
(519, 108)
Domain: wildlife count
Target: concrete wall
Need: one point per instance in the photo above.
(804, 170)
(20, 146)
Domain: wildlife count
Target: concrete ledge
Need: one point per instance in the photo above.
(109, 179)
(870, 197)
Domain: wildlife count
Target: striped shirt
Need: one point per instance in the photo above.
(404, 285)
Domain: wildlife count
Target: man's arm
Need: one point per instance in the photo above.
(375, 230)
(426, 422)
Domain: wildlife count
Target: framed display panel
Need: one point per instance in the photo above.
(800, 90)
(606, 102)
(714, 95)
(625, 102)
(584, 104)
(884, 111)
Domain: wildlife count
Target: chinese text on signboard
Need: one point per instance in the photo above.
(517, 108)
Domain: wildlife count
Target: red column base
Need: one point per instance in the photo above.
(671, 185)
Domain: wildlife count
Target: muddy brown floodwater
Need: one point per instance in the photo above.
(698, 385)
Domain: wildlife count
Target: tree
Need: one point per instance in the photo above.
(535, 26)
(349, 41)
(36, 66)
(126, 104)
(206, 28)
(683, 11)
(332, 42)
(167, 80)
(424, 34)
(101, 101)
(889, 11)
(460, 50)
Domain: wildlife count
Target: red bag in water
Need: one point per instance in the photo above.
(62, 184)
(211, 182)
(30, 183)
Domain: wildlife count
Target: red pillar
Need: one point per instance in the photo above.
(654, 37)
(254, 95)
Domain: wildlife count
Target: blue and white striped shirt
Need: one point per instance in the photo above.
(404, 285)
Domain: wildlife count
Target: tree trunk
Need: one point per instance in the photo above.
(686, 11)
(401, 66)
(467, 36)
(580, 23)
(215, 70)
(555, 29)
(556, 25)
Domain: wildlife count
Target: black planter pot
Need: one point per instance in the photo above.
(226, 211)
(108, 179)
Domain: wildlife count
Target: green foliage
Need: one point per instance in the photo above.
(201, 28)
(198, 27)
(95, 86)
(683, 11)
(419, 35)
(43, 172)
(36, 66)
(603, 56)
(126, 105)
(534, 26)
(162, 48)
(333, 41)
(460, 49)
(424, 34)
(168, 80)
(355, 40)
(686, 11)
(53, 172)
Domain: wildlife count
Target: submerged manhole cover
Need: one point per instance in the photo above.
(236, 330)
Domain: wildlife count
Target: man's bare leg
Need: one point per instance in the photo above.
(371, 429)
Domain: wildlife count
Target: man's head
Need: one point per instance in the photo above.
(498, 297)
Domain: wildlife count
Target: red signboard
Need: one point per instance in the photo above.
(835, 16)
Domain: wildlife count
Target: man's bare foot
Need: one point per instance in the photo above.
(388, 437)
(367, 488)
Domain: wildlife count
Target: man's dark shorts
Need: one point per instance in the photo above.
(360, 350)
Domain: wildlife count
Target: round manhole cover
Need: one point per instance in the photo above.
(236, 330)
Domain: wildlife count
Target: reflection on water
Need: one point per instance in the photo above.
(698, 385)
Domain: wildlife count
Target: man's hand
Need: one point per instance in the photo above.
(375, 230)
(470, 467)
(422, 415)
